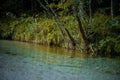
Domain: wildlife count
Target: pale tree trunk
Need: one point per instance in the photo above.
(90, 23)
(90, 13)
(112, 14)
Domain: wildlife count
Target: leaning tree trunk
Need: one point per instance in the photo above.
(84, 37)
(54, 16)
(59, 24)
(81, 28)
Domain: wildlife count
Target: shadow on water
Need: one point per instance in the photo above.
(11, 53)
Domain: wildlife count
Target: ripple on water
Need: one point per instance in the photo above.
(35, 62)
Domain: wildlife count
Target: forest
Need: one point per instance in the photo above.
(89, 26)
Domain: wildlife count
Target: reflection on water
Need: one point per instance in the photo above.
(40, 53)
(59, 56)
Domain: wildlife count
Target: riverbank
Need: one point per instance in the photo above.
(102, 40)
(22, 61)
(39, 30)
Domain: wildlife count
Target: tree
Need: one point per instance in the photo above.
(64, 31)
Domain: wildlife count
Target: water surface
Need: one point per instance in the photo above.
(24, 61)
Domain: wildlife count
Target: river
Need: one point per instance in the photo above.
(24, 61)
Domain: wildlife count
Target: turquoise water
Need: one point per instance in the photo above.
(24, 61)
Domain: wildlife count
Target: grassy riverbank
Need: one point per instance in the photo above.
(42, 30)
(37, 29)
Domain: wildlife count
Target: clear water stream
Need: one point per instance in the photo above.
(24, 61)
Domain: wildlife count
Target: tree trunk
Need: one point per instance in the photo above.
(112, 15)
(83, 34)
(90, 14)
(71, 38)
(81, 29)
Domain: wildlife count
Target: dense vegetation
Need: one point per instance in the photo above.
(91, 26)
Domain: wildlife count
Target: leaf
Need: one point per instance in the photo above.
(112, 22)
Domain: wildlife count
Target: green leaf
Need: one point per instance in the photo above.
(112, 22)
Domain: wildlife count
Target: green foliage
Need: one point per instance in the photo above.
(71, 24)
(105, 34)
(109, 46)
(39, 30)
(6, 29)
